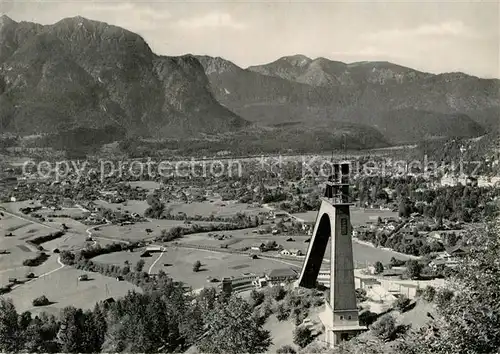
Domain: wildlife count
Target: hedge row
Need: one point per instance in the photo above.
(46, 238)
(34, 262)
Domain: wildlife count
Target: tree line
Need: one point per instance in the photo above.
(161, 320)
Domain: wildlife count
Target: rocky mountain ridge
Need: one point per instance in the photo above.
(102, 80)
(83, 73)
(391, 98)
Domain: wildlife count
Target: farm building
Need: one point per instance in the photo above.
(291, 252)
(281, 276)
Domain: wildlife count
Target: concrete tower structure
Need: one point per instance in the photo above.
(340, 317)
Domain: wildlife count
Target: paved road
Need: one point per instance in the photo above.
(58, 259)
(156, 261)
(89, 232)
(61, 266)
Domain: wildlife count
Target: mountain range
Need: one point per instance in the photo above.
(404, 104)
(80, 74)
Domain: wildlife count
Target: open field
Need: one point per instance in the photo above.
(16, 255)
(31, 230)
(73, 225)
(132, 206)
(119, 258)
(10, 223)
(59, 284)
(16, 206)
(203, 238)
(11, 263)
(216, 208)
(63, 288)
(69, 241)
(13, 268)
(137, 231)
(180, 264)
(71, 212)
(359, 216)
(363, 254)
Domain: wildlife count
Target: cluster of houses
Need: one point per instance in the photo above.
(185, 193)
(414, 229)
(376, 224)
(449, 258)
(99, 215)
(483, 181)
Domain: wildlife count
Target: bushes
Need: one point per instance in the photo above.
(396, 262)
(97, 250)
(302, 336)
(139, 266)
(277, 292)
(69, 257)
(42, 239)
(443, 297)
(413, 269)
(5, 289)
(41, 301)
(257, 297)
(196, 266)
(263, 311)
(379, 267)
(429, 293)
(282, 312)
(34, 262)
(385, 327)
(361, 295)
(401, 303)
(297, 304)
(286, 349)
(299, 315)
(366, 318)
(140, 279)
(184, 217)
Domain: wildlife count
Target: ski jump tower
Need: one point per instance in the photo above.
(340, 317)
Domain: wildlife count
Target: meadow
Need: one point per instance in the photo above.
(214, 207)
(359, 216)
(178, 263)
(63, 288)
(132, 206)
(137, 231)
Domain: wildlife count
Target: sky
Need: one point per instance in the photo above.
(432, 36)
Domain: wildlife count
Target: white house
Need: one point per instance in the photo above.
(285, 253)
(291, 252)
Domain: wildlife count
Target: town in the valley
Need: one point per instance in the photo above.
(81, 239)
(250, 177)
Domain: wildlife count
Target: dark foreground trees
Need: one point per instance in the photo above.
(302, 336)
(469, 320)
(162, 319)
(10, 333)
(232, 328)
